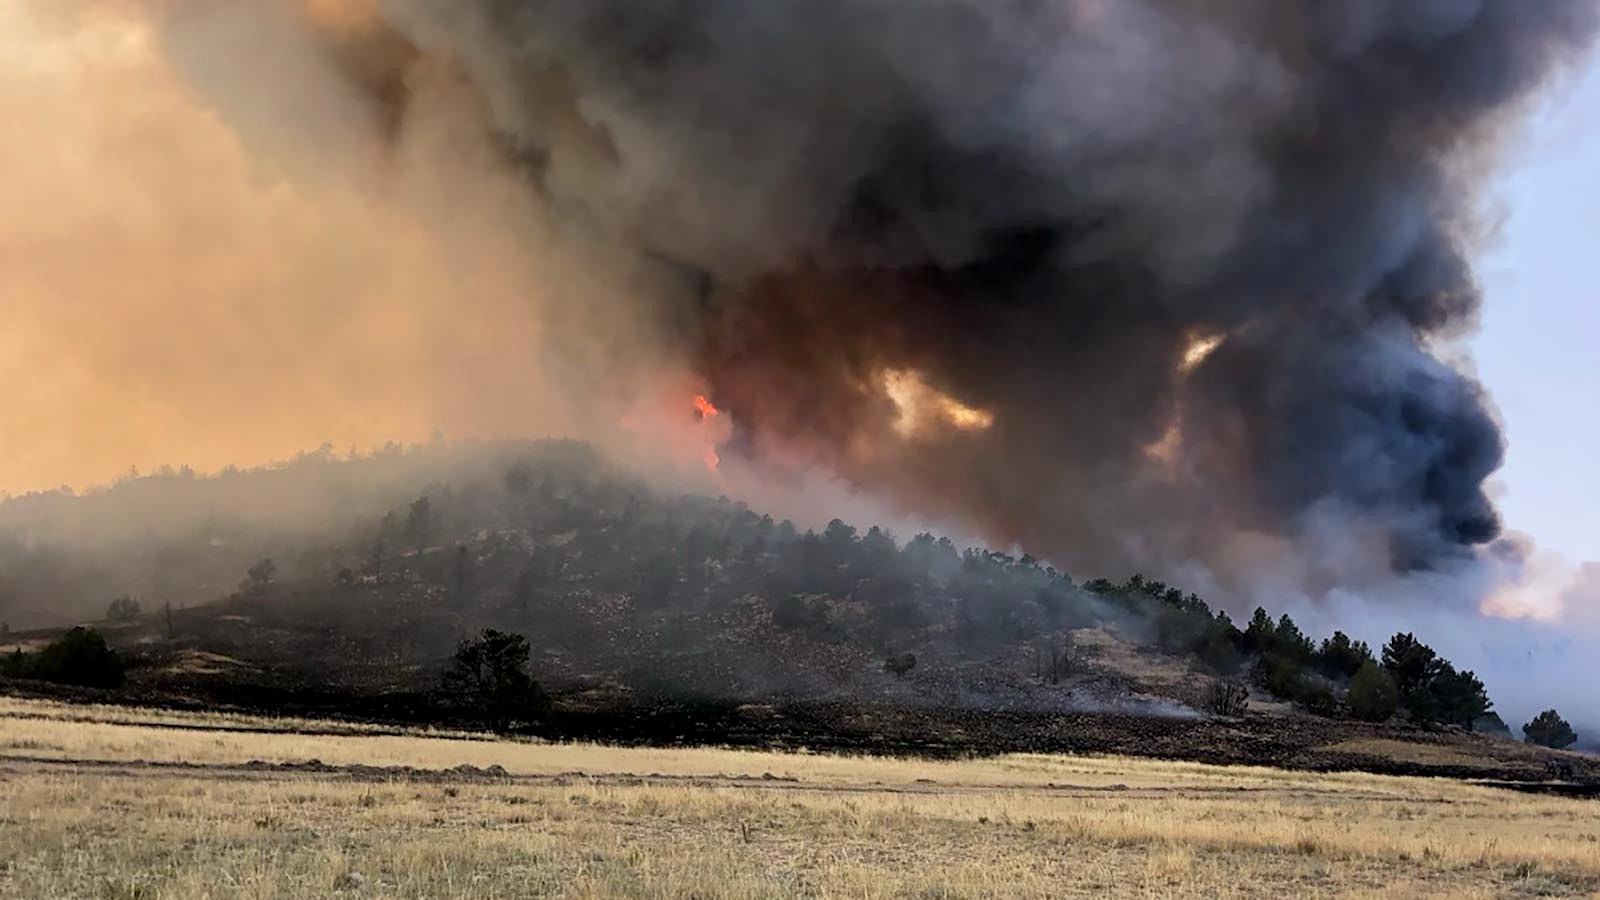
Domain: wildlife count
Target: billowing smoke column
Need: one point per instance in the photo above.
(1144, 282)
(1049, 212)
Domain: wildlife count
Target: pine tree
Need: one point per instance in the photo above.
(1548, 729)
(1414, 666)
(1373, 696)
(1260, 633)
(1460, 697)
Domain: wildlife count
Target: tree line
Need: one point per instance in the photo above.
(1339, 676)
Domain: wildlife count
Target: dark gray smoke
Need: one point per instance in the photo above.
(1040, 206)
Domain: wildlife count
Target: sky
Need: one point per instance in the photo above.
(1537, 349)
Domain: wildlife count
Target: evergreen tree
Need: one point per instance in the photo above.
(1340, 657)
(421, 522)
(490, 673)
(1373, 696)
(1459, 697)
(1548, 729)
(1414, 666)
(1260, 633)
(1290, 642)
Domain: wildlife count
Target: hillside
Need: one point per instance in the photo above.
(658, 617)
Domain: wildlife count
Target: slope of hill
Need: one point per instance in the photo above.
(657, 617)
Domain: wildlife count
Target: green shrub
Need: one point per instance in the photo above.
(790, 612)
(1218, 652)
(79, 657)
(1317, 697)
(900, 666)
(1280, 675)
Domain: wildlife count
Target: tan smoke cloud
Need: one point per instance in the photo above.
(212, 264)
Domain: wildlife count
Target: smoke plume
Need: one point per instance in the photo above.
(1155, 284)
(1173, 271)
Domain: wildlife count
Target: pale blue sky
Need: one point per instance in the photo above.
(1539, 348)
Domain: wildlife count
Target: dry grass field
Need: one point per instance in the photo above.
(118, 803)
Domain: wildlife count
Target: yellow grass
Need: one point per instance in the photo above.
(80, 817)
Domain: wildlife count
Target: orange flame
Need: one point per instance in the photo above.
(704, 409)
